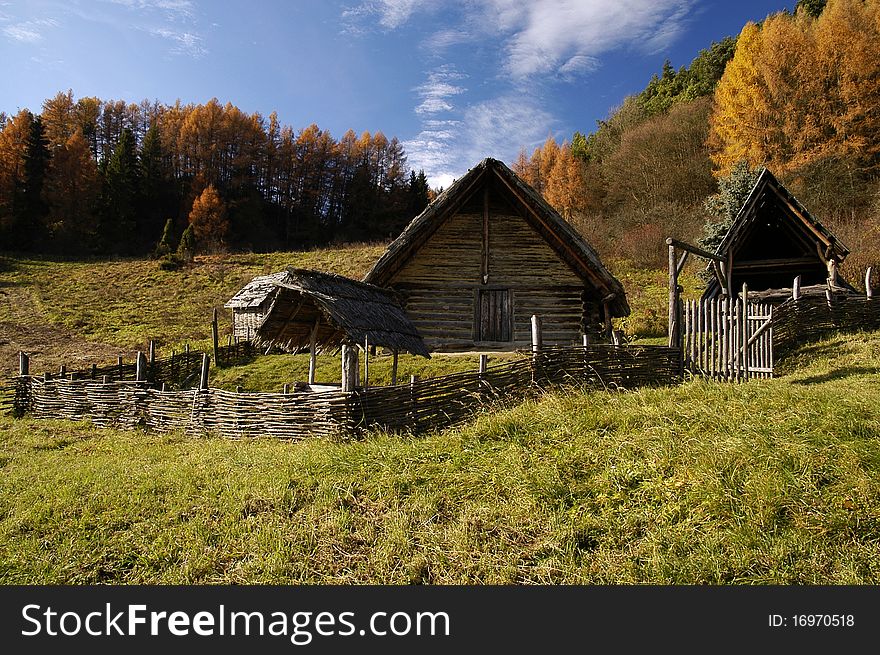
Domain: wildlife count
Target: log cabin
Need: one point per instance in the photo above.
(487, 254)
(773, 240)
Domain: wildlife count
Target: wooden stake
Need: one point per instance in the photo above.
(394, 369)
(119, 366)
(536, 334)
(745, 330)
(366, 361)
(869, 292)
(215, 335)
(203, 380)
(286, 389)
(152, 352)
(140, 371)
(313, 344)
(796, 288)
(586, 339)
(484, 361)
(350, 364)
(24, 364)
(672, 329)
(94, 371)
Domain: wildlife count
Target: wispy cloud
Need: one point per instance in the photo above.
(534, 41)
(438, 90)
(183, 43)
(29, 31)
(172, 9)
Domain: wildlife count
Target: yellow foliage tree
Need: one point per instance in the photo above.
(802, 90)
(209, 221)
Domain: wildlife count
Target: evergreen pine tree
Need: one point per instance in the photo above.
(733, 191)
(119, 205)
(166, 243)
(153, 188)
(31, 209)
(186, 250)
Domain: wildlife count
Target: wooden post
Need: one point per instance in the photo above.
(203, 381)
(94, 371)
(105, 379)
(832, 272)
(350, 364)
(366, 361)
(586, 339)
(869, 292)
(673, 329)
(62, 372)
(24, 364)
(152, 352)
(730, 273)
(796, 288)
(286, 389)
(745, 330)
(537, 341)
(119, 366)
(163, 386)
(394, 368)
(239, 389)
(484, 361)
(140, 371)
(313, 345)
(215, 335)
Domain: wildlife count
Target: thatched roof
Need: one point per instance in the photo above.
(343, 309)
(562, 237)
(255, 292)
(769, 201)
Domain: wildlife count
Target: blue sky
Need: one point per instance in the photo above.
(454, 80)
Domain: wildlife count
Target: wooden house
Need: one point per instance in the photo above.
(773, 240)
(486, 255)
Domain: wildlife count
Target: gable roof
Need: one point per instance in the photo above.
(555, 230)
(803, 225)
(768, 188)
(343, 309)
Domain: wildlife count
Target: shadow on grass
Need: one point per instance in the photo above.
(837, 374)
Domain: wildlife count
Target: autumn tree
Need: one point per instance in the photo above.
(209, 221)
(72, 190)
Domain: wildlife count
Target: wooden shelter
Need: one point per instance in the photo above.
(309, 310)
(773, 240)
(489, 253)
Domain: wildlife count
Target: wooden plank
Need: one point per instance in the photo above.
(484, 264)
(745, 330)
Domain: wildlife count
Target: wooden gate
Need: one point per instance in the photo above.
(728, 339)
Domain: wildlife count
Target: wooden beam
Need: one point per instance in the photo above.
(681, 245)
(681, 262)
(485, 249)
(672, 329)
(757, 264)
(215, 336)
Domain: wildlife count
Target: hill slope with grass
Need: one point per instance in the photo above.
(76, 313)
(773, 481)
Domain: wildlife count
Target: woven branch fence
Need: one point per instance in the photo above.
(808, 318)
(419, 406)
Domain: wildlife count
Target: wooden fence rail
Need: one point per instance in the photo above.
(421, 405)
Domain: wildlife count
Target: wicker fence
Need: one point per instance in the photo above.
(418, 406)
(808, 318)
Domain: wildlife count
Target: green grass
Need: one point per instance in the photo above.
(272, 372)
(775, 481)
(129, 302)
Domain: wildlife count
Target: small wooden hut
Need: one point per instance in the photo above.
(485, 256)
(309, 310)
(773, 240)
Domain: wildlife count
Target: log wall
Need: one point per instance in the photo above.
(440, 283)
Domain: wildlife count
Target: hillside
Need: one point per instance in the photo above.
(765, 482)
(79, 312)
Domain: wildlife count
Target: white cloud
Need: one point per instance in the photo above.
(542, 37)
(438, 89)
(29, 31)
(184, 43)
(173, 9)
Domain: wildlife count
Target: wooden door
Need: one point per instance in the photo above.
(494, 316)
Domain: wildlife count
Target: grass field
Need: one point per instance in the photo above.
(767, 482)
